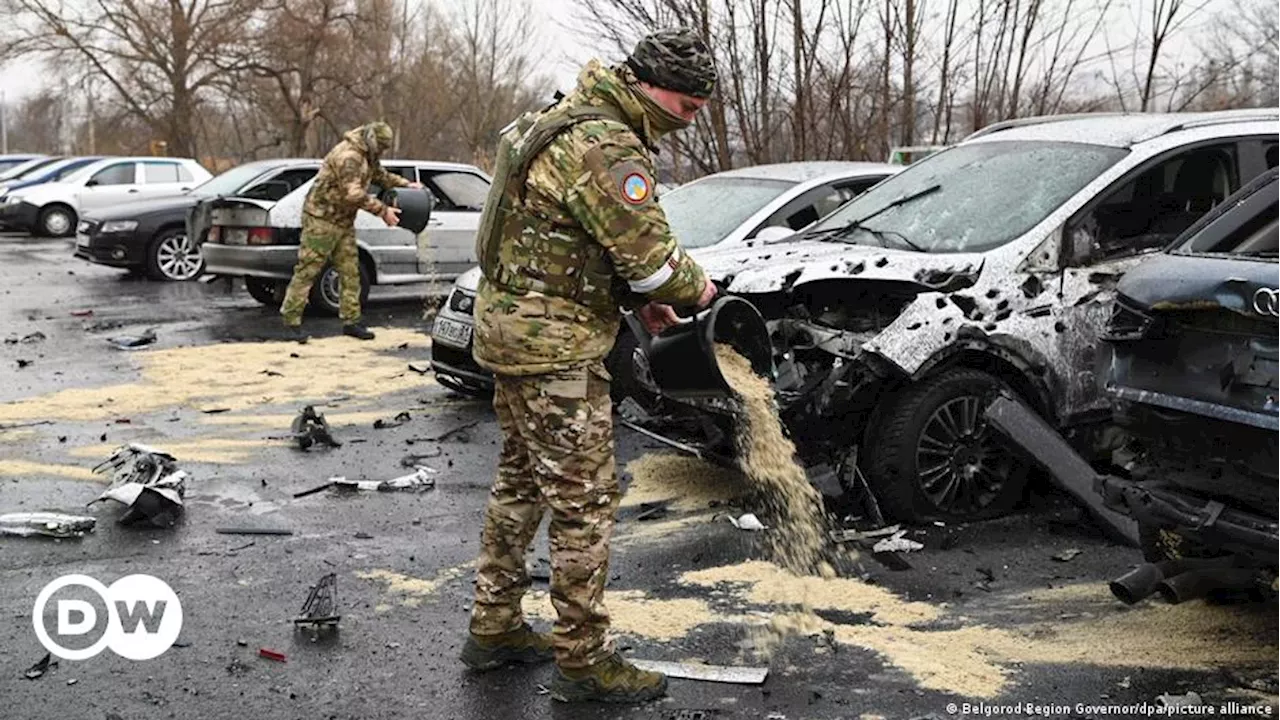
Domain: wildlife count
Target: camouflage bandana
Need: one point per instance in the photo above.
(677, 60)
(377, 137)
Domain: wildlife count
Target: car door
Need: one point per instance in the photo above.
(112, 185)
(159, 178)
(1126, 224)
(451, 233)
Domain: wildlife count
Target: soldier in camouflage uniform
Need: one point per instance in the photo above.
(328, 224)
(571, 231)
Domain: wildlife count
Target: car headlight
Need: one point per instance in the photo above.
(115, 226)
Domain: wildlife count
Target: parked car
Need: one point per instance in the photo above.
(728, 209)
(54, 208)
(17, 163)
(988, 266)
(52, 172)
(258, 239)
(152, 235)
(1194, 379)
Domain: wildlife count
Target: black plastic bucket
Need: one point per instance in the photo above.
(682, 360)
(415, 206)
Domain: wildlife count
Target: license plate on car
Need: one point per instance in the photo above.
(82, 240)
(452, 332)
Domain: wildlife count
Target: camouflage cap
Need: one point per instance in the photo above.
(382, 135)
(675, 59)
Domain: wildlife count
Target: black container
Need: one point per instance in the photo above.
(682, 360)
(415, 206)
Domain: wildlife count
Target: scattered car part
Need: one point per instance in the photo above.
(400, 419)
(708, 673)
(272, 654)
(420, 479)
(252, 531)
(439, 437)
(55, 525)
(1040, 441)
(132, 342)
(310, 427)
(42, 666)
(147, 482)
(321, 606)
(897, 543)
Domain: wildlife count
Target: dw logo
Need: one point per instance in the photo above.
(143, 617)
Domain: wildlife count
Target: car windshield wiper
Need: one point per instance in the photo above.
(879, 235)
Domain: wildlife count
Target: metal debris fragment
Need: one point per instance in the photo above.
(55, 525)
(737, 675)
(400, 419)
(147, 482)
(42, 666)
(252, 531)
(1067, 555)
(310, 428)
(133, 342)
(321, 606)
(748, 522)
(450, 433)
(897, 543)
(272, 654)
(422, 478)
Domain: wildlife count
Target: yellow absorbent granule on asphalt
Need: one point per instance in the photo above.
(688, 482)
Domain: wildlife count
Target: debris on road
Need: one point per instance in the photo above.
(419, 370)
(15, 426)
(54, 525)
(24, 363)
(708, 673)
(132, 342)
(1067, 555)
(271, 373)
(362, 535)
(321, 606)
(1191, 699)
(859, 535)
(401, 418)
(147, 482)
(420, 479)
(272, 654)
(252, 531)
(897, 543)
(82, 313)
(314, 490)
(450, 433)
(414, 459)
(653, 511)
(215, 411)
(748, 522)
(310, 428)
(41, 667)
(33, 338)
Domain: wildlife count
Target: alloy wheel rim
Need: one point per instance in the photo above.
(178, 259)
(57, 223)
(960, 465)
(330, 287)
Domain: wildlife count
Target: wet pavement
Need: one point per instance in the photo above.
(985, 615)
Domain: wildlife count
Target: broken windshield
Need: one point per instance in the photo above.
(986, 195)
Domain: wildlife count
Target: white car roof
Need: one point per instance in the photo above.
(798, 172)
(1114, 129)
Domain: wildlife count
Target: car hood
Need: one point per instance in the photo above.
(1176, 282)
(138, 208)
(469, 280)
(778, 266)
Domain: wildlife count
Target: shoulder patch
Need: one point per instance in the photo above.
(634, 184)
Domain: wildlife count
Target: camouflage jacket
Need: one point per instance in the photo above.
(342, 185)
(589, 236)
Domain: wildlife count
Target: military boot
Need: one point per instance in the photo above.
(296, 334)
(612, 680)
(522, 645)
(357, 330)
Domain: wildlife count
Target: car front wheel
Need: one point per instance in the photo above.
(935, 456)
(172, 256)
(56, 221)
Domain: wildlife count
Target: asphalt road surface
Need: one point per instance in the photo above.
(985, 617)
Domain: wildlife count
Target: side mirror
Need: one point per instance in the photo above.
(773, 233)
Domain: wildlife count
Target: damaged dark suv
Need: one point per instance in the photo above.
(1194, 379)
(988, 267)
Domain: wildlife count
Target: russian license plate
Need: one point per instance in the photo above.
(452, 332)
(235, 236)
(82, 240)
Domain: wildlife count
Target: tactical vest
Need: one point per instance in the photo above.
(505, 215)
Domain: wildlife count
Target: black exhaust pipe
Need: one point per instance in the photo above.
(1195, 584)
(1139, 583)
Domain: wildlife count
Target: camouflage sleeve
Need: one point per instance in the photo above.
(351, 171)
(613, 198)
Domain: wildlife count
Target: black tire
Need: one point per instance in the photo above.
(324, 292)
(56, 220)
(968, 473)
(266, 291)
(171, 257)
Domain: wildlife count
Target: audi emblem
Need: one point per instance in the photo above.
(1266, 301)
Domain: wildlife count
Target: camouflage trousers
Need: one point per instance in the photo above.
(557, 455)
(322, 242)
